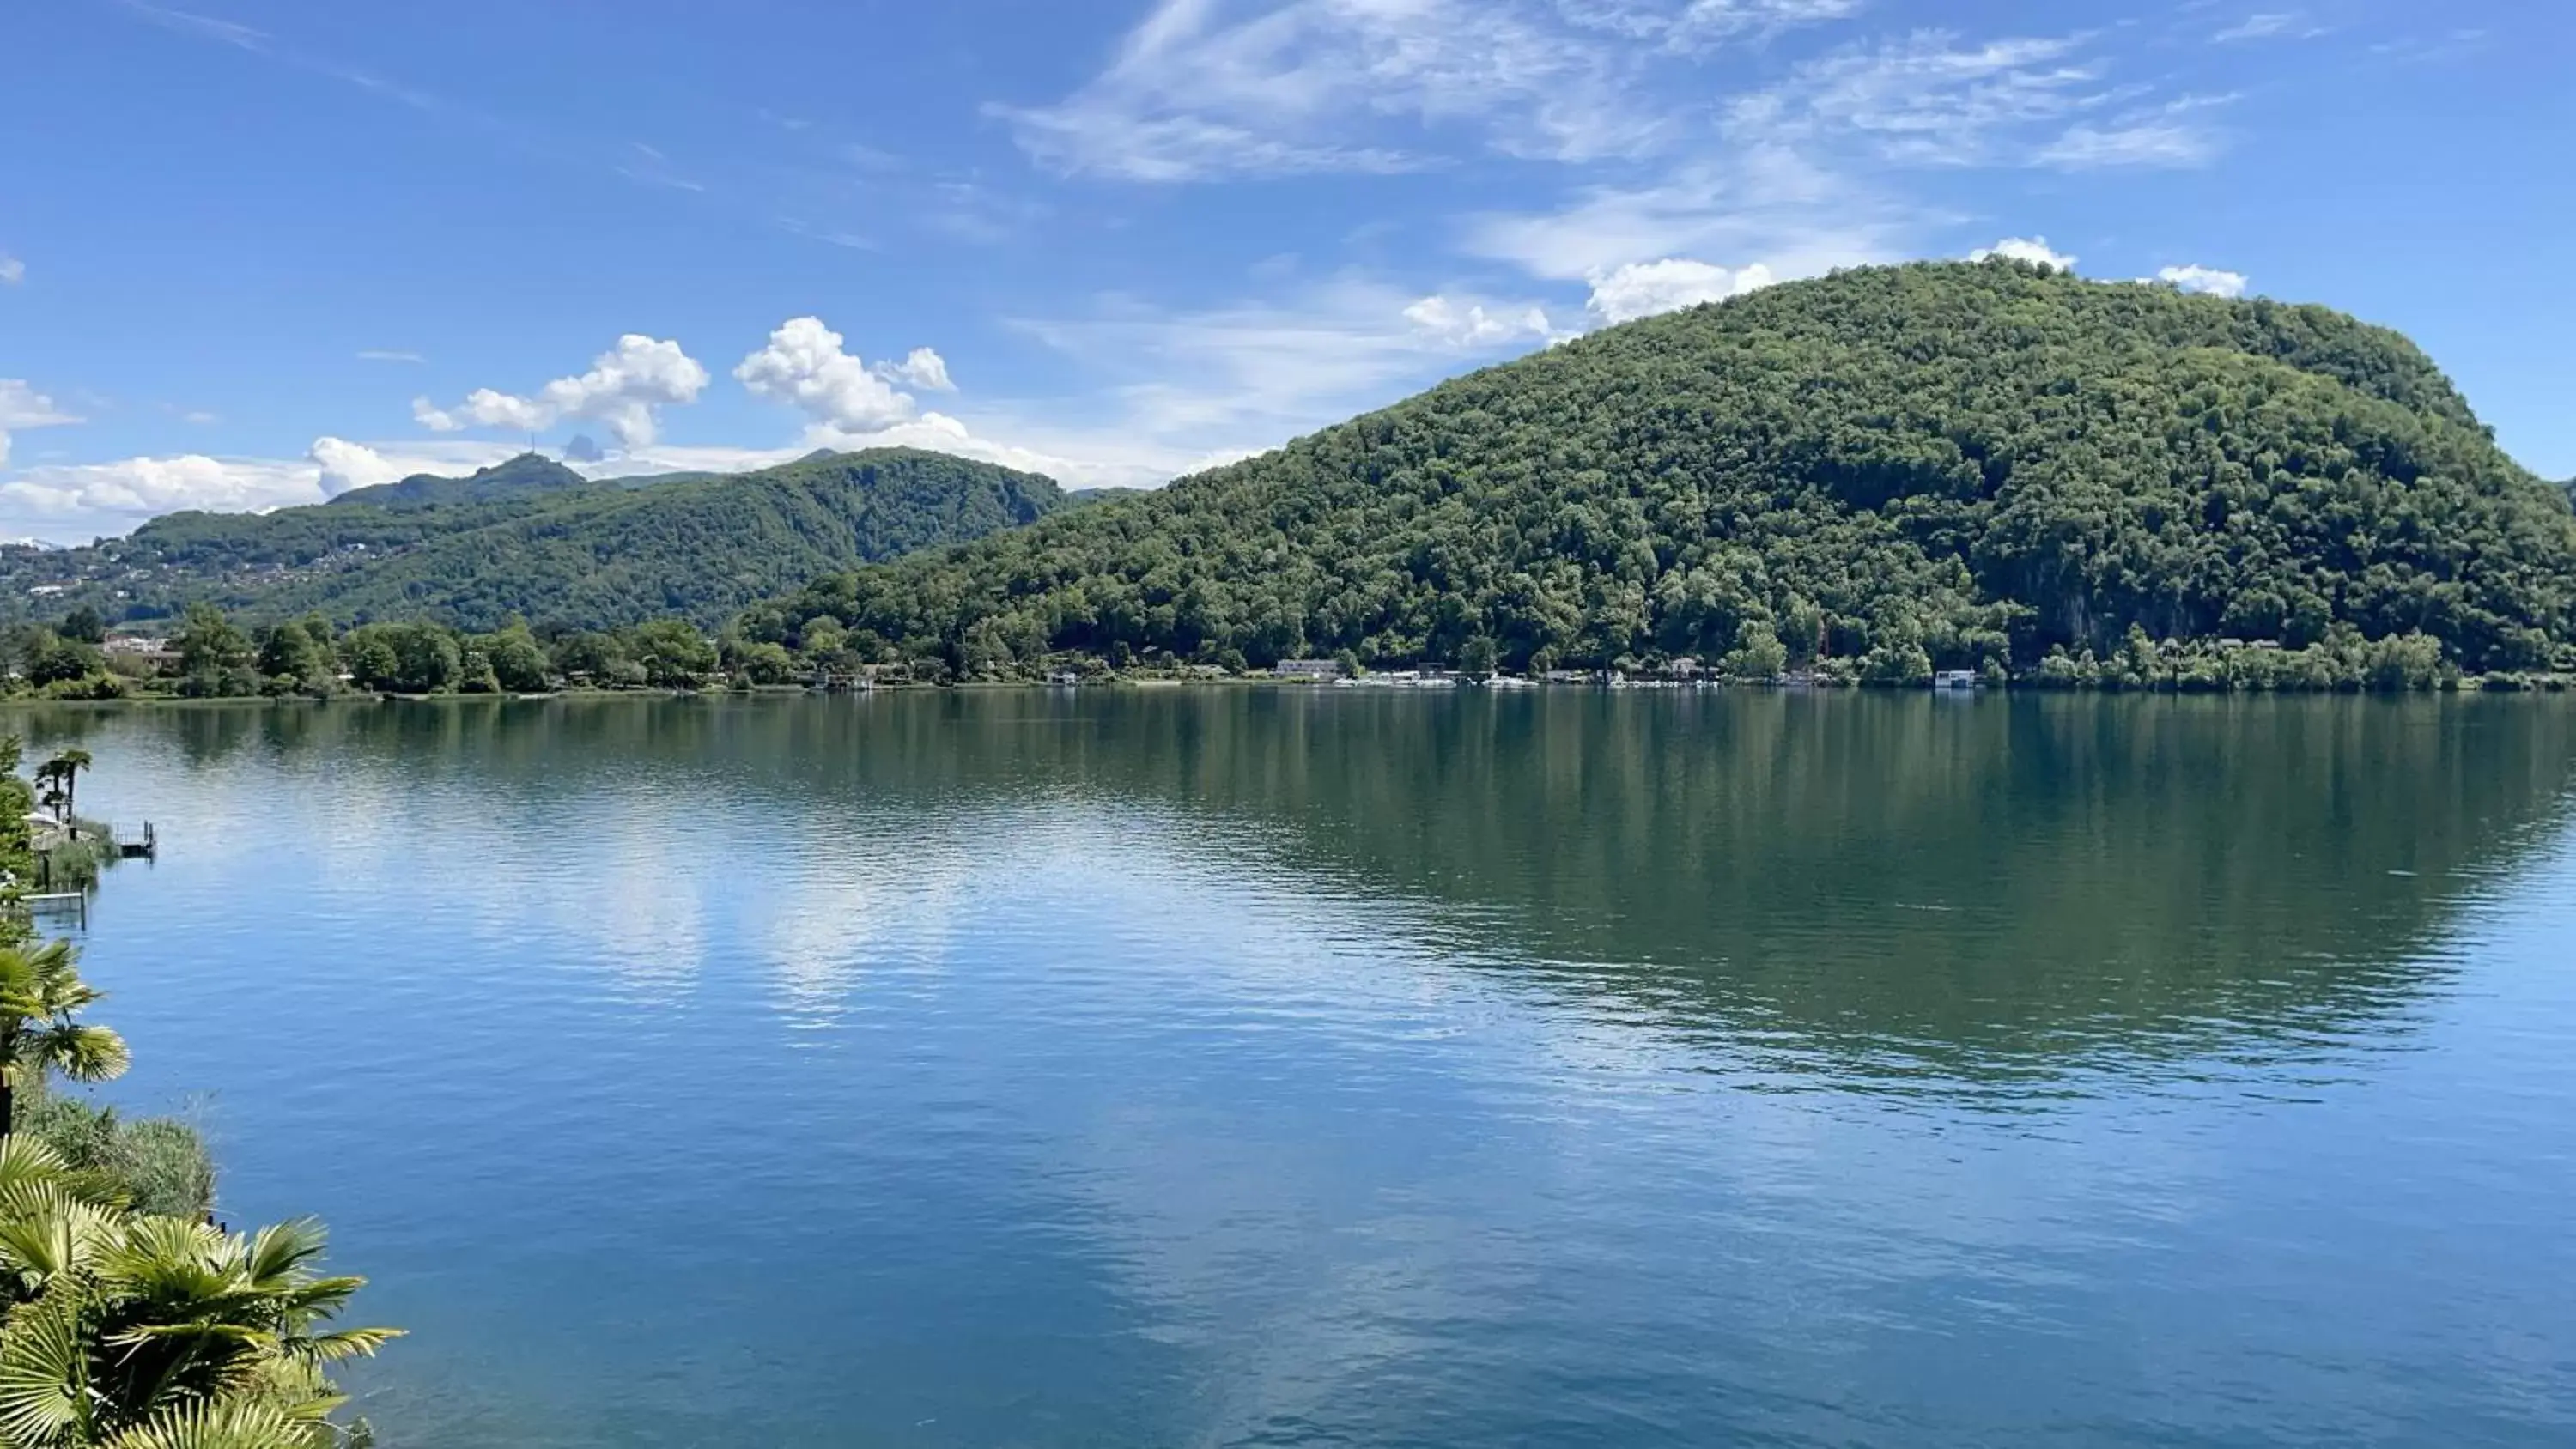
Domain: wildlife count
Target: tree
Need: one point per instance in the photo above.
(403, 658)
(85, 625)
(589, 655)
(299, 650)
(765, 663)
(518, 661)
(674, 655)
(53, 659)
(62, 772)
(41, 997)
(209, 645)
(1758, 652)
(138, 1332)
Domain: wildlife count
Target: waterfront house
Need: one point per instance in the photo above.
(140, 654)
(1307, 669)
(1955, 679)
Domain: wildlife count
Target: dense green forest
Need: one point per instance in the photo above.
(1976, 465)
(533, 539)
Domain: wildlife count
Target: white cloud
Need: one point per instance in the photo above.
(378, 354)
(923, 369)
(21, 406)
(1468, 324)
(2210, 280)
(2163, 142)
(75, 502)
(1210, 88)
(804, 364)
(2273, 25)
(623, 390)
(1929, 99)
(12, 270)
(2026, 249)
(345, 465)
(113, 496)
(1646, 289)
(1925, 98)
(1767, 202)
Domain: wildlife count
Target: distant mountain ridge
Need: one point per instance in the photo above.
(533, 539)
(521, 477)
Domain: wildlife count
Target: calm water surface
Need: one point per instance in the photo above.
(1249, 1067)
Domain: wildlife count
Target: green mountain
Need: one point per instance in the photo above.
(531, 538)
(516, 480)
(1929, 465)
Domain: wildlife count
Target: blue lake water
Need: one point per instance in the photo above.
(1251, 1067)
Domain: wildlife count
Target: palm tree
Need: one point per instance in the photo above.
(49, 786)
(65, 768)
(41, 992)
(161, 1333)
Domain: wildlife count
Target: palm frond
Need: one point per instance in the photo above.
(278, 1252)
(44, 1373)
(232, 1423)
(80, 1052)
(346, 1343)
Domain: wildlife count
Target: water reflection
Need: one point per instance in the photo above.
(1913, 890)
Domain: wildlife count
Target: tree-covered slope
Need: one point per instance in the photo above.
(696, 548)
(1952, 463)
(520, 479)
(519, 539)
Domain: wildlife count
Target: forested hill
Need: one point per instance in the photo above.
(533, 539)
(518, 480)
(1944, 465)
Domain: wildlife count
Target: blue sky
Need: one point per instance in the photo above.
(254, 251)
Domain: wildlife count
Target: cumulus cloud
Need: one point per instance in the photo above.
(345, 465)
(1645, 289)
(583, 448)
(2026, 249)
(624, 389)
(2210, 280)
(21, 406)
(12, 270)
(924, 369)
(804, 364)
(78, 501)
(135, 489)
(1469, 324)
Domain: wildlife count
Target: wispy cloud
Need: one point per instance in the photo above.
(380, 354)
(2270, 25)
(2171, 136)
(1930, 99)
(12, 270)
(1205, 89)
(1767, 204)
(1229, 380)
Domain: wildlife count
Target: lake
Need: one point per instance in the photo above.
(1271, 1067)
